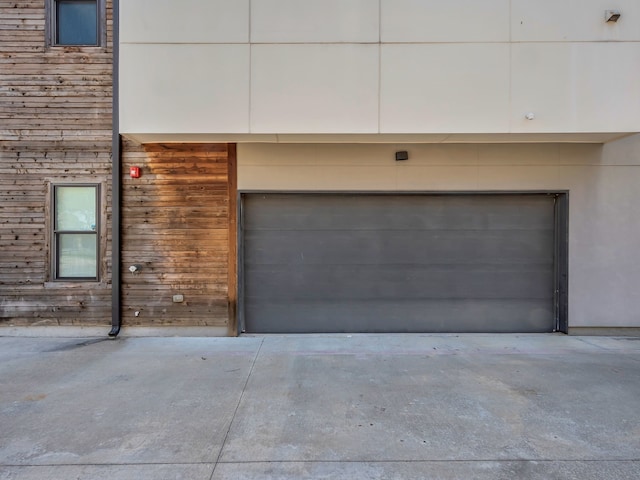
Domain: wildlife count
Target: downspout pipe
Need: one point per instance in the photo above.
(116, 170)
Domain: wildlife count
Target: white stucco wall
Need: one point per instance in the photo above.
(378, 66)
(335, 72)
(603, 183)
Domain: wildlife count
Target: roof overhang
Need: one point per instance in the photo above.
(377, 138)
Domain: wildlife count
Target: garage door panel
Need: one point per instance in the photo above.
(398, 263)
(331, 282)
(398, 247)
(411, 212)
(409, 316)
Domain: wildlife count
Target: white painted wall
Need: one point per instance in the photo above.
(603, 184)
(212, 97)
(378, 67)
(421, 70)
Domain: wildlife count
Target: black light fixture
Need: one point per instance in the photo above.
(403, 155)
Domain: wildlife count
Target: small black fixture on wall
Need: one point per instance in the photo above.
(403, 155)
(612, 15)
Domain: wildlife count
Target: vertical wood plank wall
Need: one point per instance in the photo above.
(55, 126)
(178, 225)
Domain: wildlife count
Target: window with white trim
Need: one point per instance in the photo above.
(75, 232)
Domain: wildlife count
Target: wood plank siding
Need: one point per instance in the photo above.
(178, 225)
(178, 219)
(55, 127)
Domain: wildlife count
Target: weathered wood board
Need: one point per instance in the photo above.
(55, 127)
(178, 225)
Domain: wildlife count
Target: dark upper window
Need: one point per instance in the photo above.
(76, 22)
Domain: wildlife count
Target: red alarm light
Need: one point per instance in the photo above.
(134, 172)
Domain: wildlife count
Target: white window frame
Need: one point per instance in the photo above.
(55, 234)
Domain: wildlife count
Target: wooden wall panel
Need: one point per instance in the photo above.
(176, 224)
(55, 126)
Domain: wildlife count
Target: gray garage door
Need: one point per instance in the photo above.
(397, 263)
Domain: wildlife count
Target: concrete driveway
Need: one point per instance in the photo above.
(321, 407)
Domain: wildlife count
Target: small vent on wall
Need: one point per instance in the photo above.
(612, 15)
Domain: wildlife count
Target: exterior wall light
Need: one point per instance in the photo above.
(403, 155)
(612, 15)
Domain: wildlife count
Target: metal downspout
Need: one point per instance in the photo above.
(116, 168)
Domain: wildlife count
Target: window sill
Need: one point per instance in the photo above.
(77, 285)
(86, 49)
